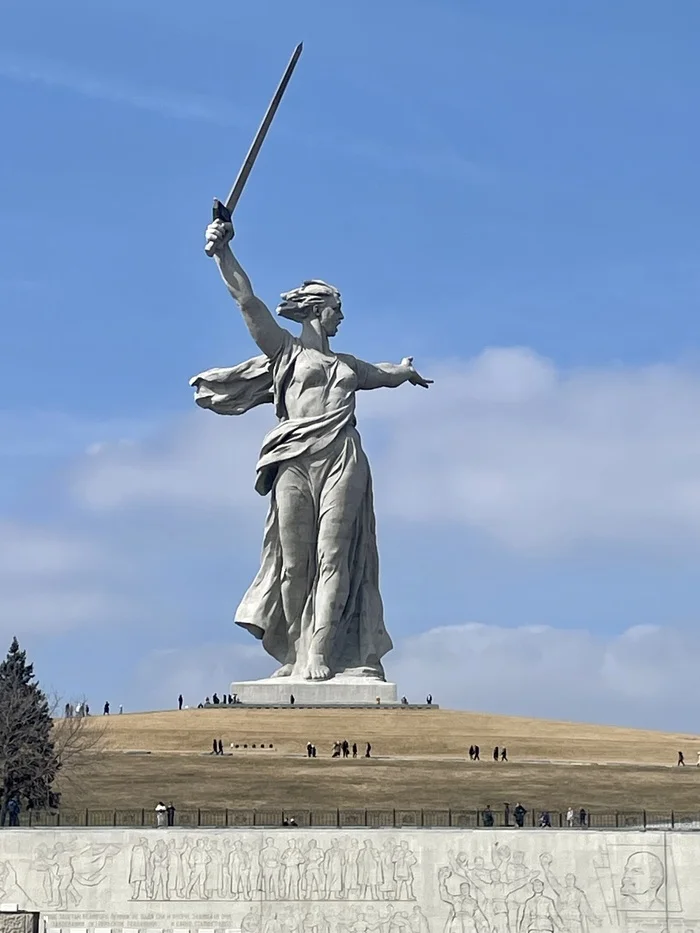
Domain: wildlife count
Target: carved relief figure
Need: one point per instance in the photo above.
(176, 875)
(239, 872)
(571, 902)
(539, 912)
(333, 869)
(139, 869)
(369, 872)
(313, 872)
(269, 860)
(198, 861)
(315, 602)
(419, 922)
(292, 861)
(643, 882)
(158, 888)
(403, 860)
(465, 915)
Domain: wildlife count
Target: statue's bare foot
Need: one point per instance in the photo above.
(284, 671)
(317, 669)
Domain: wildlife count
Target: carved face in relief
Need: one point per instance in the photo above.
(642, 879)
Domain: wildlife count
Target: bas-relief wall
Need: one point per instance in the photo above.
(355, 881)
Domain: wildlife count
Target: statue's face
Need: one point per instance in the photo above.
(330, 317)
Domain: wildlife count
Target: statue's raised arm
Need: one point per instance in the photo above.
(264, 329)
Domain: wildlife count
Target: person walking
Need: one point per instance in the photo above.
(105, 711)
(354, 749)
(681, 759)
(504, 754)
(495, 753)
(570, 817)
(368, 750)
(477, 753)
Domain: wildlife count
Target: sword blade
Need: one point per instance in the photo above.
(239, 184)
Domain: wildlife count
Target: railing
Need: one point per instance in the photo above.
(373, 818)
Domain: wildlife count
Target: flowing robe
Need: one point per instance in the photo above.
(323, 459)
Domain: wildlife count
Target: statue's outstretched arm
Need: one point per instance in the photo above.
(389, 375)
(262, 326)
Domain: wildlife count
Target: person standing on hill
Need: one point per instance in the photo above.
(495, 753)
(368, 750)
(354, 749)
(179, 702)
(477, 753)
(681, 759)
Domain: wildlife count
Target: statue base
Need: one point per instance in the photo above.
(338, 691)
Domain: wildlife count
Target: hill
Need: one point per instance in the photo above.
(419, 759)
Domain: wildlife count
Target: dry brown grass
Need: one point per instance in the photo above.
(420, 761)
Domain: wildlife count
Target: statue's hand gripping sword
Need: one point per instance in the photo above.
(223, 211)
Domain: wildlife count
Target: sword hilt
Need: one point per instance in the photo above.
(219, 212)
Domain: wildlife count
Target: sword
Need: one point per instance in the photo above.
(223, 211)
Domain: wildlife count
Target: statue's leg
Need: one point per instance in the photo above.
(341, 499)
(297, 531)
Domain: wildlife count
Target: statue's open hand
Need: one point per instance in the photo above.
(414, 377)
(217, 237)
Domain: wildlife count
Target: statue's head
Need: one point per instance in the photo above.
(313, 299)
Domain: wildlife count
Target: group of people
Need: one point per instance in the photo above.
(106, 708)
(77, 709)
(499, 754)
(518, 813)
(345, 750)
(165, 816)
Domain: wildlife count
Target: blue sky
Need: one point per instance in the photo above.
(506, 191)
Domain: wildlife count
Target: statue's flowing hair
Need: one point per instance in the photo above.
(299, 303)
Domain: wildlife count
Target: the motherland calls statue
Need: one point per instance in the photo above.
(315, 602)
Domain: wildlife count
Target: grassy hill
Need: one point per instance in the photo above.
(419, 759)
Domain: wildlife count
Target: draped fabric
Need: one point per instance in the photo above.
(319, 461)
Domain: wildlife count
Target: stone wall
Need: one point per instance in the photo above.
(354, 881)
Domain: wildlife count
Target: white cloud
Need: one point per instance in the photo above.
(505, 445)
(644, 676)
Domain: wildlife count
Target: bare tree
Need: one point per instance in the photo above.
(77, 740)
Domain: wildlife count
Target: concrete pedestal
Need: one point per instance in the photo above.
(340, 691)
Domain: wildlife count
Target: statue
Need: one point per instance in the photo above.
(315, 602)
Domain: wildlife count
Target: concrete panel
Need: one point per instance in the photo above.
(354, 881)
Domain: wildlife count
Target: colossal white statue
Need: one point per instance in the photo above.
(315, 602)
